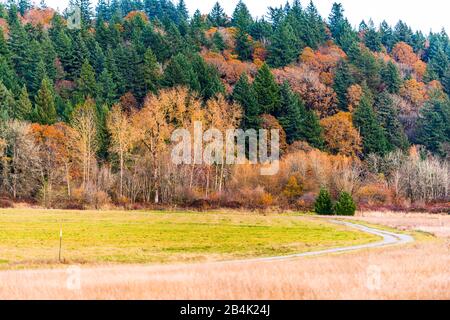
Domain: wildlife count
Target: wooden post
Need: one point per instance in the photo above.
(60, 243)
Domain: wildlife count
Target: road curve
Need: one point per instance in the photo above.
(389, 239)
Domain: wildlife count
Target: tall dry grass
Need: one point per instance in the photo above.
(420, 271)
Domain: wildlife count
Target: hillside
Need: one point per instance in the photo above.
(86, 114)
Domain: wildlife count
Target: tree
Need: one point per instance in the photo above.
(345, 206)
(241, 18)
(323, 204)
(217, 16)
(391, 77)
(283, 49)
(84, 123)
(365, 120)
(244, 94)
(434, 131)
(6, 102)
(24, 108)
(388, 118)
(372, 38)
(340, 135)
(343, 79)
(45, 110)
(86, 83)
(123, 136)
(266, 90)
(151, 72)
(244, 47)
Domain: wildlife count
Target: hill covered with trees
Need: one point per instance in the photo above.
(87, 113)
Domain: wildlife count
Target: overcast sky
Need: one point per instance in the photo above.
(422, 15)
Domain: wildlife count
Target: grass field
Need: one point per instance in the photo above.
(30, 238)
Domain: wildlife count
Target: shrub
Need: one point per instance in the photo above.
(323, 204)
(6, 204)
(345, 205)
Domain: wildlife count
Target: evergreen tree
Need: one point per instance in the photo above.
(266, 90)
(345, 206)
(7, 102)
(388, 118)
(45, 110)
(179, 72)
(182, 11)
(391, 77)
(244, 47)
(387, 36)
(343, 79)
(244, 94)
(283, 50)
(434, 129)
(218, 42)
(24, 6)
(217, 16)
(365, 120)
(372, 38)
(290, 113)
(317, 31)
(323, 204)
(107, 89)
(151, 72)
(24, 107)
(86, 83)
(207, 77)
(241, 18)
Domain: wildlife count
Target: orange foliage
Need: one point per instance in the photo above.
(37, 16)
(4, 26)
(133, 14)
(271, 123)
(404, 53)
(260, 53)
(420, 68)
(414, 92)
(324, 59)
(340, 135)
(306, 82)
(354, 95)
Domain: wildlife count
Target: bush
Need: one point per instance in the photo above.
(6, 204)
(345, 205)
(323, 204)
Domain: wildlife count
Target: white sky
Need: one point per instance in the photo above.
(421, 15)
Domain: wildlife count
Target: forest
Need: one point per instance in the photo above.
(86, 114)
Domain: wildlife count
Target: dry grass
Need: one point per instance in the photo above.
(420, 271)
(437, 224)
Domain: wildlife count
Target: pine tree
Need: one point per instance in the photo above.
(24, 107)
(208, 78)
(151, 72)
(45, 110)
(345, 206)
(244, 47)
(388, 118)
(323, 204)
(343, 79)
(290, 113)
(179, 72)
(7, 103)
(266, 90)
(312, 131)
(283, 50)
(107, 89)
(217, 16)
(244, 94)
(433, 129)
(218, 42)
(372, 38)
(387, 36)
(86, 83)
(241, 17)
(182, 11)
(365, 120)
(317, 31)
(391, 77)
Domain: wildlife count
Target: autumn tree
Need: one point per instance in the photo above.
(123, 136)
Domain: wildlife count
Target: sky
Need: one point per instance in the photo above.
(420, 15)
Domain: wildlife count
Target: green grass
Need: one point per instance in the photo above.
(31, 237)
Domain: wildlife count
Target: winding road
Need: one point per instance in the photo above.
(389, 239)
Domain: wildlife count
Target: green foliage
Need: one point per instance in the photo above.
(283, 49)
(45, 109)
(345, 206)
(217, 16)
(24, 106)
(241, 17)
(324, 205)
(434, 129)
(266, 90)
(244, 46)
(343, 79)
(86, 83)
(244, 94)
(372, 133)
(7, 102)
(391, 77)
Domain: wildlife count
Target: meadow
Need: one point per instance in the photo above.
(30, 238)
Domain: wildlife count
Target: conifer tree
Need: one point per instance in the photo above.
(345, 206)
(244, 94)
(86, 83)
(366, 121)
(323, 204)
(266, 90)
(217, 16)
(343, 79)
(45, 110)
(283, 49)
(244, 47)
(241, 18)
(391, 77)
(7, 103)
(151, 72)
(24, 107)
